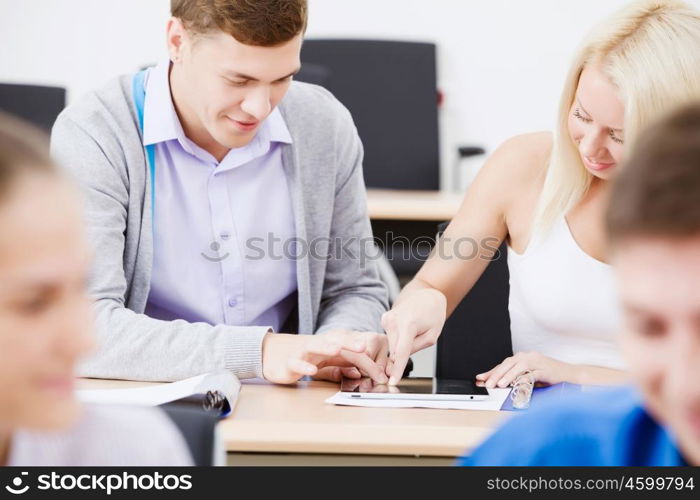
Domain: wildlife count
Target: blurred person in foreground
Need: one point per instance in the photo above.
(46, 327)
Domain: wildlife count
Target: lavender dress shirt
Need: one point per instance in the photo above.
(216, 222)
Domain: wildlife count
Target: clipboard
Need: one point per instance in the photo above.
(214, 402)
(211, 392)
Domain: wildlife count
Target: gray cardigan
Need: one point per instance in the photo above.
(98, 140)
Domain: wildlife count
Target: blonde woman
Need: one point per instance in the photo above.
(545, 195)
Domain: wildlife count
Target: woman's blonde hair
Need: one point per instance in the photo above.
(650, 50)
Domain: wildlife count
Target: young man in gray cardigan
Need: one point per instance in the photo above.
(225, 202)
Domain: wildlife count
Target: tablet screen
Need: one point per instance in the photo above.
(422, 385)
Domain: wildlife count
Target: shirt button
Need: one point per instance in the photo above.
(225, 235)
(232, 302)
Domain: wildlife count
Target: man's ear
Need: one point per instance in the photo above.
(176, 39)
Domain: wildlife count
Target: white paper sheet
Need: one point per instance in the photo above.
(494, 402)
(224, 382)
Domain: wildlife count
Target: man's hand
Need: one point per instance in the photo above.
(371, 363)
(328, 356)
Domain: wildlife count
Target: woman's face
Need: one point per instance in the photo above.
(596, 123)
(44, 310)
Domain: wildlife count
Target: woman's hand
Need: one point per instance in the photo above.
(414, 323)
(327, 356)
(543, 368)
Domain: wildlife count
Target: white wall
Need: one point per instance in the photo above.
(501, 62)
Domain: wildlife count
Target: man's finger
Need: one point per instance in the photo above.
(330, 373)
(301, 367)
(351, 372)
(322, 346)
(350, 341)
(366, 366)
(366, 384)
(324, 352)
(382, 358)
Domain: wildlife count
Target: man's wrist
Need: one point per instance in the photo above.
(267, 349)
(243, 352)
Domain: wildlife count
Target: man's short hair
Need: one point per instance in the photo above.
(657, 192)
(264, 23)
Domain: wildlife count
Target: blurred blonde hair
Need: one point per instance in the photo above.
(24, 149)
(650, 50)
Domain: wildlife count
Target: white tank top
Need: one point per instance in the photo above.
(563, 303)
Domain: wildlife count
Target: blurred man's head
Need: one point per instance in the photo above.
(233, 61)
(654, 229)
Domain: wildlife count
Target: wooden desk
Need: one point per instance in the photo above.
(412, 205)
(295, 421)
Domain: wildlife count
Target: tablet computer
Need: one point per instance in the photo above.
(421, 388)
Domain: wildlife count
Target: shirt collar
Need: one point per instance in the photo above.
(161, 123)
(276, 128)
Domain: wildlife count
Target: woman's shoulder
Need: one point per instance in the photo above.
(515, 170)
(106, 435)
(524, 155)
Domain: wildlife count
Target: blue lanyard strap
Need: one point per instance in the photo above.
(139, 93)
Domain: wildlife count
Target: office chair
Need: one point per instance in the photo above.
(36, 104)
(390, 88)
(476, 337)
(198, 428)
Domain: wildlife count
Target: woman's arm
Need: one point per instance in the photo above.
(598, 375)
(550, 371)
(464, 250)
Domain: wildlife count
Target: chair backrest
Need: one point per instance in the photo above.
(198, 427)
(36, 104)
(390, 88)
(476, 337)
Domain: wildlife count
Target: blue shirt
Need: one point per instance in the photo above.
(601, 427)
(215, 223)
